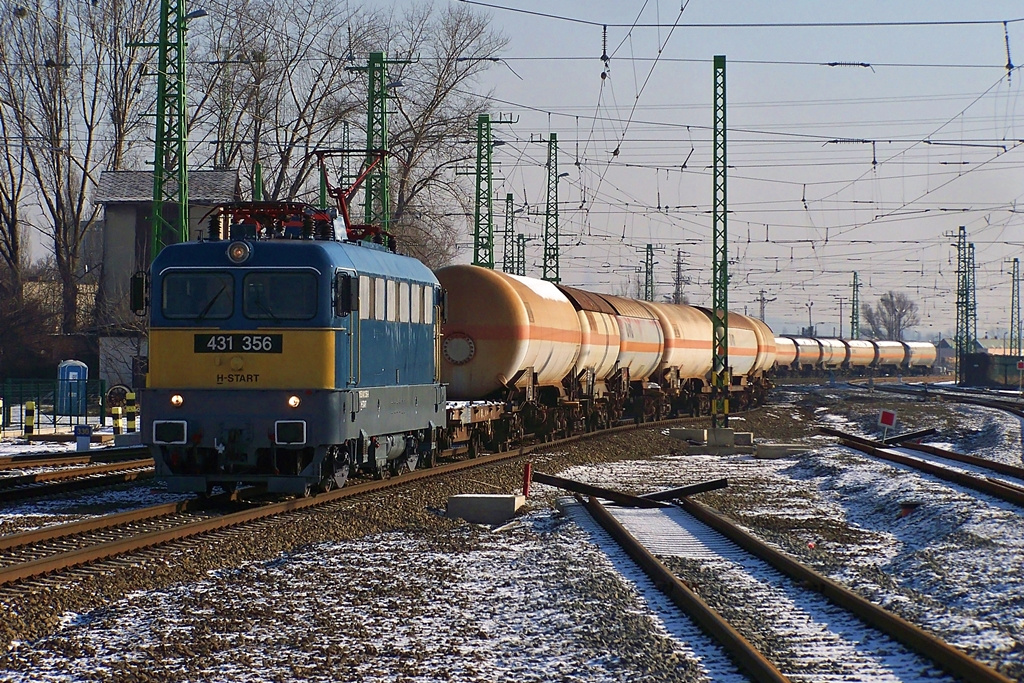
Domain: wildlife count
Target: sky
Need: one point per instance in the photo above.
(850, 148)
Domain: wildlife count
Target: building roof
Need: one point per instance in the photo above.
(204, 187)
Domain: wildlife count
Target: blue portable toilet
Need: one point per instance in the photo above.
(72, 396)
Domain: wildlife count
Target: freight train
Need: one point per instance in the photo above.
(809, 356)
(282, 356)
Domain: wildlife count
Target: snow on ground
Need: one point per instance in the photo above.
(517, 604)
(541, 600)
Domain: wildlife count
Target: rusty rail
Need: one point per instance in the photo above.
(1009, 493)
(945, 655)
(707, 618)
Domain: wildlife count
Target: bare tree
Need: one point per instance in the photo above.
(60, 118)
(274, 87)
(13, 177)
(892, 317)
(435, 106)
(123, 31)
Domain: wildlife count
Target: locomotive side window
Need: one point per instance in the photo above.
(198, 296)
(428, 305)
(280, 296)
(417, 304)
(366, 297)
(379, 299)
(392, 300)
(403, 302)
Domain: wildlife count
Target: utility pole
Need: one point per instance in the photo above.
(551, 255)
(761, 298)
(677, 294)
(720, 258)
(520, 268)
(508, 257)
(972, 294)
(964, 283)
(1015, 324)
(810, 324)
(649, 271)
(841, 300)
(855, 309)
(169, 219)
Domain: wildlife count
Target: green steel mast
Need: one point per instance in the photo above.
(720, 259)
(963, 329)
(520, 268)
(508, 261)
(378, 188)
(1015, 324)
(551, 256)
(169, 222)
(649, 274)
(377, 206)
(483, 217)
(855, 312)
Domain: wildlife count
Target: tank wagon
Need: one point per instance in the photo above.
(811, 356)
(566, 359)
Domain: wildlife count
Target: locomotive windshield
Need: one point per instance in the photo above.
(281, 295)
(197, 295)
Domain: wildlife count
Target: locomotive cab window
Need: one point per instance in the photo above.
(280, 295)
(197, 296)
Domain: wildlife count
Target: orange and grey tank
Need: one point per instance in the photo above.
(641, 340)
(599, 332)
(500, 324)
(891, 353)
(765, 345)
(687, 338)
(785, 351)
(921, 354)
(744, 347)
(834, 353)
(862, 353)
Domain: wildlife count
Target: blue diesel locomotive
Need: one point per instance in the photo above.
(281, 356)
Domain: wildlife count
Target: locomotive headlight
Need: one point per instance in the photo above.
(177, 400)
(239, 252)
(294, 401)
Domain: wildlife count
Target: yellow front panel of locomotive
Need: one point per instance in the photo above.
(306, 360)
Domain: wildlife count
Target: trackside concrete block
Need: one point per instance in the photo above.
(132, 439)
(484, 508)
(722, 437)
(771, 451)
(744, 438)
(691, 434)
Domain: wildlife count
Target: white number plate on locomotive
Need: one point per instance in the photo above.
(238, 343)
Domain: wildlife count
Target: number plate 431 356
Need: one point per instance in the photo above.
(238, 343)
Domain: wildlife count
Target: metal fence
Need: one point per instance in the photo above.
(59, 404)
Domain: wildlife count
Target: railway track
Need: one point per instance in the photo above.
(56, 549)
(64, 459)
(741, 591)
(997, 479)
(42, 484)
